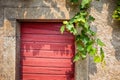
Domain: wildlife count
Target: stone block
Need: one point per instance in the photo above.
(106, 31)
(10, 13)
(9, 58)
(44, 3)
(1, 23)
(9, 28)
(36, 13)
(11, 3)
(32, 3)
(81, 70)
(1, 13)
(1, 53)
(43, 13)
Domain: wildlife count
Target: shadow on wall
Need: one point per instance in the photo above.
(116, 39)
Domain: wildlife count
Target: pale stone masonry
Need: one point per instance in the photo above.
(108, 30)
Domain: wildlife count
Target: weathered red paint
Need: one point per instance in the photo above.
(46, 54)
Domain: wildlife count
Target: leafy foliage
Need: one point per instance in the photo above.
(116, 14)
(85, 41)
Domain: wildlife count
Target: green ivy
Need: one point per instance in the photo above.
(116, 14)
(85, 40)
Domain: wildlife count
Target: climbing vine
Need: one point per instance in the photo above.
(116, 14)
(85, 40)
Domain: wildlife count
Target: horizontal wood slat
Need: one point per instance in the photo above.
(46, 46)
(47, 38)
(47, 77)
(49, 54)
(47, 70)
(47, 62)
(45, 26)
(30, 30)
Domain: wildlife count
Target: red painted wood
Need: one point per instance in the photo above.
(49, 54)
(46, 62)
(46, 77)
(46, 46)
(42, 30)
(47, 70)
(52, 26)
(46, 54)
(47, 38)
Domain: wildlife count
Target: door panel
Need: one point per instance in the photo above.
(46, 54)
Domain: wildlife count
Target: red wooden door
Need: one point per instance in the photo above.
(46, 54)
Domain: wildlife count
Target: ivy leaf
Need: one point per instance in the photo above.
(93, 51)
(84, 13)
(100, 43)
(89, 45)
(84, 54)
(73, 30)
(97, 59)
(76, 57)
(69, 26)
(85, 3)
(74, 1)
(84, 38)
(77, 38)
(81, 19)
(90, 32)
(62, 29)
(79, 47)
(65, 22)
(102, 54)
(91, 18)
(86, 26)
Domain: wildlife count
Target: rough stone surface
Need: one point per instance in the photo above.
(31, 3)
(107, 30)
(1, 43)
(1, 13)
(9, 58)
(1, 16)
(81, 70)
(9, 28)
(11, 3)
(37, 13)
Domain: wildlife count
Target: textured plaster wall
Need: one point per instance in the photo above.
(107, 29)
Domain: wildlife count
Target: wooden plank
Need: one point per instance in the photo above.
(46, 62)
(47, 70)
(47, 38)
(50, 26)
(46, 77)
(30, 30)
(49, 54)
(46, 46)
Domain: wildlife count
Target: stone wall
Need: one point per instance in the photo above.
(107, 30)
